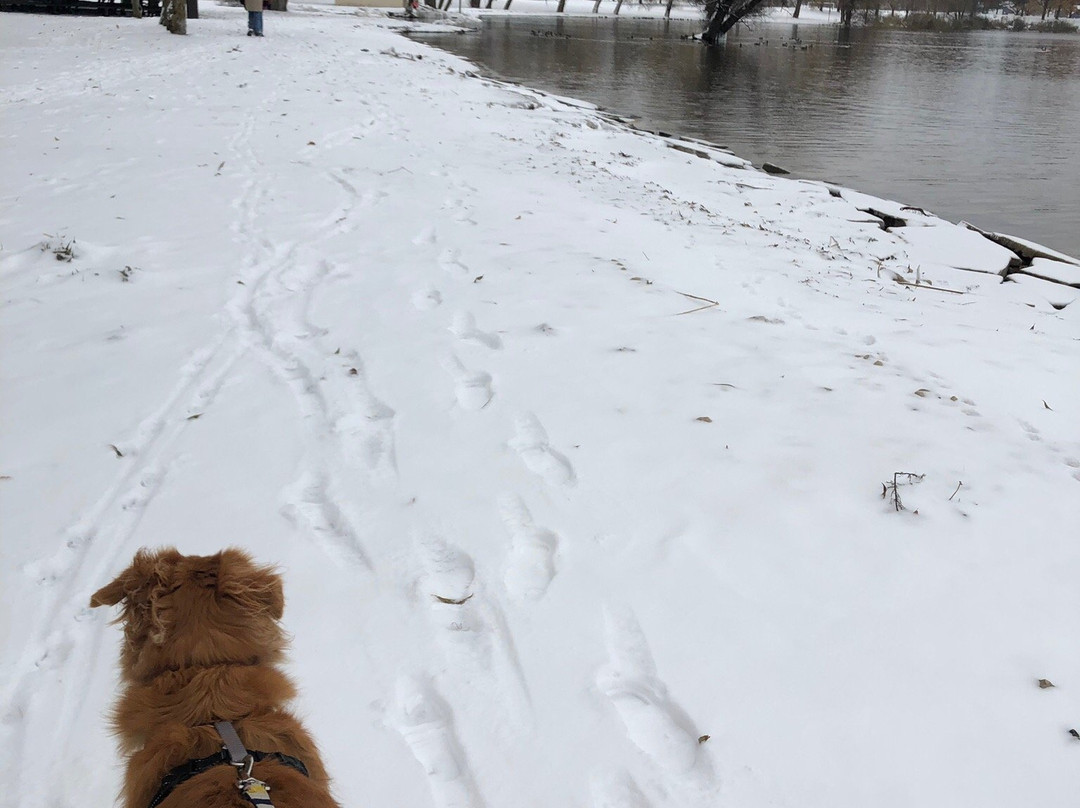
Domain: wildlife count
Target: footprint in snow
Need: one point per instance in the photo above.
(426, 236)
(616, 791)
(531, 442)
(471, 630)
(370, 430)
(426, 724)
(448, 573)
(531, 565)
(311, 505)
(472, 388)
(464, 328)
(450, 261)
(462, 212)
(427, 298)
(630, 681)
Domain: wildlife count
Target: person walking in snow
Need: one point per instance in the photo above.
(255, 12)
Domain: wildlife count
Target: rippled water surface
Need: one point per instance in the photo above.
(981, 126)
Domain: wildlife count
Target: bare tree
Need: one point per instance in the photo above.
(722, 15)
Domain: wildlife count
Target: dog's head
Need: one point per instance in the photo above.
(194, 611)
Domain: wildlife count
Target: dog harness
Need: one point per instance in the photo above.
(234, 753)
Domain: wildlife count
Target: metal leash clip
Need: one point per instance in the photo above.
(244, 767)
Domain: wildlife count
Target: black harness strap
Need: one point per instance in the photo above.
(186, 771)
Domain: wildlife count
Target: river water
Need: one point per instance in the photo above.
(980, 126)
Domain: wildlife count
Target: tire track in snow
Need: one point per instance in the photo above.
(59, 645)
(341, 419)
(94, 547)
(59, 642)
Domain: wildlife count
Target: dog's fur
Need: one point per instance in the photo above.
(203, 644)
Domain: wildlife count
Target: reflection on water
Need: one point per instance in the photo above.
(981, 126)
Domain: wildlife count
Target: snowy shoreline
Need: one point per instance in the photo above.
(1024, 251)
(417, 334)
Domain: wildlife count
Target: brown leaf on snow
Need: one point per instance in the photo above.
(451, 601)
(704, 419)
(1045, 683)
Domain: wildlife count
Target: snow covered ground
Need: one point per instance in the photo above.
(411, 334)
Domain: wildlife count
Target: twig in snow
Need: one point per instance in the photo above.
(925, 286)
(954, 493)
(61, 250)
(118, 452)
(892, 490)
(709, 303)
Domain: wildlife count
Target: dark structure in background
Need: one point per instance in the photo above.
(108, 8)
(105, 8)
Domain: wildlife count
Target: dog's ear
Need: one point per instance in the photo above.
(110, 594)
(147, 567)
(257, 589)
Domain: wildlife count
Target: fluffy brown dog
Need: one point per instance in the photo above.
(202, 645)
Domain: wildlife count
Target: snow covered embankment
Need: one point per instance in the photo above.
(571, 446)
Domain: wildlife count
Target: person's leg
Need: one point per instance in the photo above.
(258, 23)
(251, 23)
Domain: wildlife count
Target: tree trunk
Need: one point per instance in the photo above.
(136, 9)
(193, 9)
(798, 8)
(723, 15)
(562, 5)
(596, 7)
(847, 11)
(618, 5)
(667, 11)
(507, 6)
(174, 16)
(279, 5)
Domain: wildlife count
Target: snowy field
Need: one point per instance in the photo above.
(413, 334)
